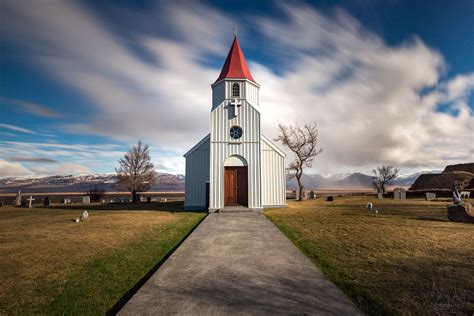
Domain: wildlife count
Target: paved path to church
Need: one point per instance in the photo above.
(238, 263)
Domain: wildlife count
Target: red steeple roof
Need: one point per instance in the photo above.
(235, 65)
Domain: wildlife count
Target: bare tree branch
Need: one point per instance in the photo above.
(383, 175)
(303, 142)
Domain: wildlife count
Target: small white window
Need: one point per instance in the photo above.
(235, 90)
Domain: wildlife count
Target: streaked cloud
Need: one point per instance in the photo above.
(13, 169)
(368, 97)
(30, 107)
(32, 159)
(16, 128)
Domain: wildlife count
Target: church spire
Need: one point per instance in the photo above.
(235, 65)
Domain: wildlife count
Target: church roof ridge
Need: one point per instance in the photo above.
(235, 65)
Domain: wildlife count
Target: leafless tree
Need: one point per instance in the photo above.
(303, 142)
(383, 175)
(136, 172)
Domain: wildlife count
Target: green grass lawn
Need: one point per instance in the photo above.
(408, 260)
(51, 265)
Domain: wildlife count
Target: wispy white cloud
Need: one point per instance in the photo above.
(38, 158)
(32, 159)
(70, 169)
(30, 107)
(366, 95)
(13, 169)
(17, 128)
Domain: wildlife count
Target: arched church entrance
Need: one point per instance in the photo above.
(236, 181)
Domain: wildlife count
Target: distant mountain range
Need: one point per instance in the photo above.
(82, 183)
(351, 180)
(171, 182)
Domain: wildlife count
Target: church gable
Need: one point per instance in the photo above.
(203, 145)
(224, 118)
(267, 145)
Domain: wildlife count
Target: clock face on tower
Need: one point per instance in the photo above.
(235, 132)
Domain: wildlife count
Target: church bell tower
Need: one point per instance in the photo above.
(235, 170)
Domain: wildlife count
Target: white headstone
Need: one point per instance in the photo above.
(84, 216)
(18, 198)
(399, 194)
(380, 195)
(430, 196)
(86, 199)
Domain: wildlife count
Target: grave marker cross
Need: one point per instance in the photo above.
(30, 201)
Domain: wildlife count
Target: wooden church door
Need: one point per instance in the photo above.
(235, 186)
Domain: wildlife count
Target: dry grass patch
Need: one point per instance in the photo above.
(408, 260)
(42, 249)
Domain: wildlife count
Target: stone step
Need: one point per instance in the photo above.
(235, 209)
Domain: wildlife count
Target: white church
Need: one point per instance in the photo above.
(235, 165)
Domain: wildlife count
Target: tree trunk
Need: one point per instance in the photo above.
(135, 197)
(299, 197)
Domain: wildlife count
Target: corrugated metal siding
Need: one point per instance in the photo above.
(197, 174)
(222, 120)
(273, 177)
(219, 153)
(218, 94)
(251, 93)
(223, 146)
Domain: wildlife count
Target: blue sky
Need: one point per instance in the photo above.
(387, 82)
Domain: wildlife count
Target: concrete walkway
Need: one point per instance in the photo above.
(238, 263)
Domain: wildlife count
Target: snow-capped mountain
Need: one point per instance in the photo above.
(406, 180)
(82, 183)
(350, 180)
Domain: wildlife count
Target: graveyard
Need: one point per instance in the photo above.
(409, 259)
(53, 265)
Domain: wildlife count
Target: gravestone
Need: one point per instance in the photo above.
(65, 200)
(86, 199)
(465, 194)
(18, 198)
(30, 201)
(148, 199)
(380, 195)
(84, 216)
(1, 203)
(312, 195)
(430, 196)
(46, 201)
(372, 209)
(330, 198)
(399, 194)
(116, 200)
(298, 193)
